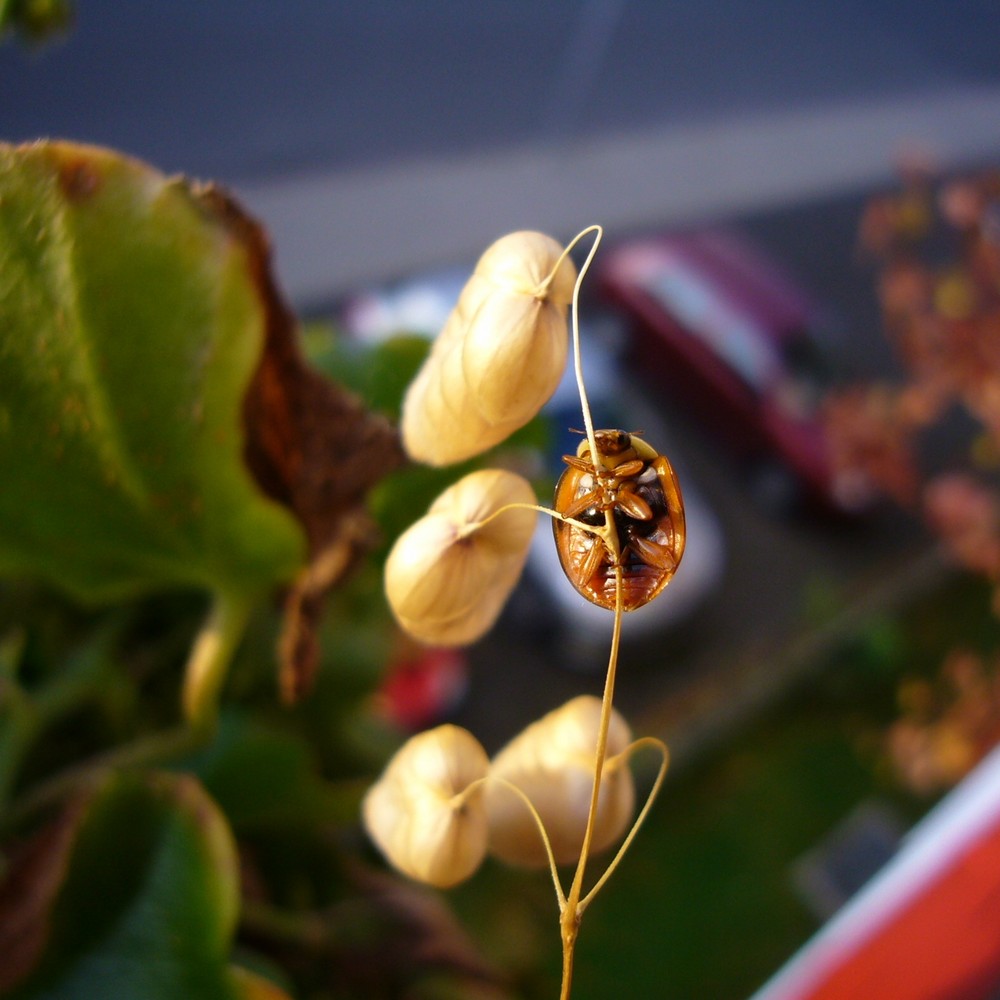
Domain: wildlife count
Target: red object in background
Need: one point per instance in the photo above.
(927, 927)
(713, 321)
(422, 686)
(944, 946)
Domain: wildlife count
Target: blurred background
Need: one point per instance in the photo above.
(361, 131)
(384, 143)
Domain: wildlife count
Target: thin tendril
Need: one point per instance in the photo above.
(546, 843)
(210, 657)
(640, 819)
(473, 526)
(588, 421)
(598, 232)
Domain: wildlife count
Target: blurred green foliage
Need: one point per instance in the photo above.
(35, 20)
(133, 319)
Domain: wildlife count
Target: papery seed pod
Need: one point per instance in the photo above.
(448, 575)
(419, 814)
(552, 762)
(500, 355)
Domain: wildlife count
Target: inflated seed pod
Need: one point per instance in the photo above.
(517, 341)
(420, 814)
(448, 575)
(552, 762)
(500, 355)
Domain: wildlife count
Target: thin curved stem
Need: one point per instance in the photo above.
(588, 420)
(598, 232)
(640, 819)
(472, 527)
(29, 714)
(566, 251)
(543, 833)
(159, 748)
(210, 657)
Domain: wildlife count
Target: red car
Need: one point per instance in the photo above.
(717, 325)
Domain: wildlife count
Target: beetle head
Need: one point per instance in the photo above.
(616, 447)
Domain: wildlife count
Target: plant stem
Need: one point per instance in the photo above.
(569, 942)
(588, 422)
(661, 747)
(159, 748)
(20, 727)
(572, 912)
(27, 715)
(206, 669)
(210, 657)
(542, 832)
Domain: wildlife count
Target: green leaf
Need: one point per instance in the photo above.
(249, 985)
(146, 899)
(378, 373)
(267, 778)
(131, 321)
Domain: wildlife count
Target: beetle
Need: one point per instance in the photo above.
(631, 500)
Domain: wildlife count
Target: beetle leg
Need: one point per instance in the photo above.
(628, 469)
(659, 556)
(579, 505)
(634, 505)
(578, 463)
(591, 562)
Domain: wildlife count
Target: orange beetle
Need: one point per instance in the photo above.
(632, 499)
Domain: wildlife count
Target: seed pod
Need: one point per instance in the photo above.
(552, 762)
(448, 575)
(417, 814)
(500, 355)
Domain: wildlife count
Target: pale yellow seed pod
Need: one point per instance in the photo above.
(419, 812)
(517, 342)
(552, 762)
(500, 355)
(449, 575)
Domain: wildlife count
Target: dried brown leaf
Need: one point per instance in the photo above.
(312, 446)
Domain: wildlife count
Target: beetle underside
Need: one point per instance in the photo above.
(637, 516)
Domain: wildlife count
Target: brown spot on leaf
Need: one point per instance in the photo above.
(78, 179)
(310, 445)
